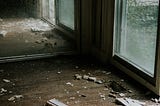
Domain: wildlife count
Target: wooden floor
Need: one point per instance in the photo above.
(41, 80)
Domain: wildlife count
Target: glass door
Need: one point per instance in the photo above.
(135, 34)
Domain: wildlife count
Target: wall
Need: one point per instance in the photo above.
(11, 3)
(32, 8)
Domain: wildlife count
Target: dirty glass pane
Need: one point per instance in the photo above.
(45, 7)
(66, 13)
(138, 33)
(52, 11)
(48, 10)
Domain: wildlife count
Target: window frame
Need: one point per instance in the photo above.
(130, 69)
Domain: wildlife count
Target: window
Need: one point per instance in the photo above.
(60, 13)
(65, 13)
(48, 10)
(135, 34)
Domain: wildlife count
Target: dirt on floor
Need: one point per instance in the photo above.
(65, 79)
(28, 36)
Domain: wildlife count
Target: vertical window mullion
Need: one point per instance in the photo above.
(123, 25)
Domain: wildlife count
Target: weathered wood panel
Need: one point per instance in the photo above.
(86, 26)
(103, 29)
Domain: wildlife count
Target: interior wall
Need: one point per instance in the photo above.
(12, 8)
(19, 8)
(32, 8)
(12, 3)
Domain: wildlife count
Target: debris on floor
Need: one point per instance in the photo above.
(44, 39)
(49, 45)
(82, 95)
(83, 70)
(112, 95)
(1, 19)
(6, 81)
(29, 24)
(3, 33)
(129, 102)
(41, 40)
(10, 92)
(94, 79)
(78, 77)
(105, 89)
(26, 41)
(103, 96)
(85, 77)
(99, 82)
(54, 102)
(77, 67)
(117, 87)
(78, 92)
(72, 98)
(70, 90)
(130, 91)
(36, 29)
(15, 97)
(122, 80)
(155, 100)
(38, 41)
(85, 87)
(76, 102)
(121, 94)
(3, 90)
(108, 73)
(59, 72)
(69, 83)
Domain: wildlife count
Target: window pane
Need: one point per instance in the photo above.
(136, 40)
(45, 8)
(52, 11)
(48, 10)
(66, 13)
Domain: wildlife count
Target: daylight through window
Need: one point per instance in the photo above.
(136, 33)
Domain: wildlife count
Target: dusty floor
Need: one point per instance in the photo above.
(41, 80)
(27, 36)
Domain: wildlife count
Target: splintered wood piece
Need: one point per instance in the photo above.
(129, 102)
(54, 102)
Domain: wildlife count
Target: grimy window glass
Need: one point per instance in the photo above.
(48, 10)
(136, 33)
(66, 13)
